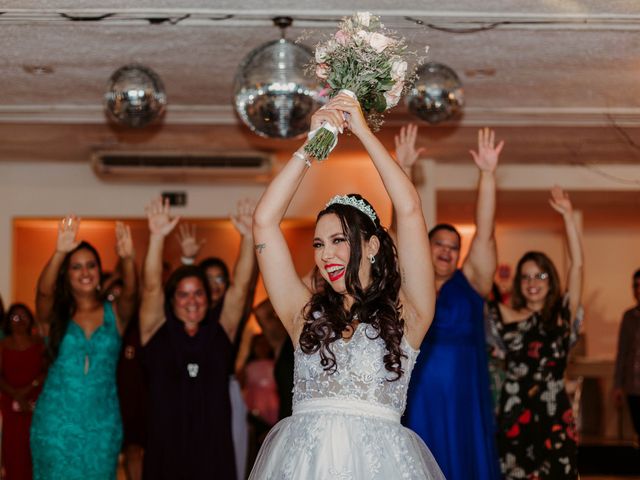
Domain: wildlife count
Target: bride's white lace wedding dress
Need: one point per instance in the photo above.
(346, 425)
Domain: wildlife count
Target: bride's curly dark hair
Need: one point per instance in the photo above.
(325, 318)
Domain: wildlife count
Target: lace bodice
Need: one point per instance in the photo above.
(360, 372)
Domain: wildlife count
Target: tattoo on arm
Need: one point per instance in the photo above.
(260, 247)
(403, 277)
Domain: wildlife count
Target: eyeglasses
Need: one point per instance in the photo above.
(219, 279)
(534, 276)
(448, 246)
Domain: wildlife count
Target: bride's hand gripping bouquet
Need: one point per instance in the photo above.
(368, 63)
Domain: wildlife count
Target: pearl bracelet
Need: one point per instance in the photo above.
(302, 156)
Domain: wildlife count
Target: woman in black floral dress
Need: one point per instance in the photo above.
(537, 436)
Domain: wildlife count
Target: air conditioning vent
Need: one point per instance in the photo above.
(182, 166)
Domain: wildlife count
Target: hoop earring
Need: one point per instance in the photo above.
(372, 259)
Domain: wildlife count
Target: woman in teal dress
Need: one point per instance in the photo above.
(76, 430)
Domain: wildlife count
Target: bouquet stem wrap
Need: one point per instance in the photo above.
(324, 139)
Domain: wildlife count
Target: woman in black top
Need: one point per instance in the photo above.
(188, 355)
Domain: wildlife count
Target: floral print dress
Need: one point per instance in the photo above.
(537, 434)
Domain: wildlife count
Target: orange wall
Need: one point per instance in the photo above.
(34, 242)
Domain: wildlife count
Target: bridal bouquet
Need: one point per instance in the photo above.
(368, 62)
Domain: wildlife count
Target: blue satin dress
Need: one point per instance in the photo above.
(449, 402)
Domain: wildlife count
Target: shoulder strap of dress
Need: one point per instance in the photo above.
(109, 315)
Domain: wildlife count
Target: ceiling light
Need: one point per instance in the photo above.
(135, 96)
(437, 94)
(272, 95)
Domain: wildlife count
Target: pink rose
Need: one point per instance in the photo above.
(397, 88)
(398, 70)
(392, 97)
(379, 42)
(322, 71)
(341, 37)
(392, 100)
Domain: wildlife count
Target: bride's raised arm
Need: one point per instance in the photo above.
(412, 242)
(287, 292)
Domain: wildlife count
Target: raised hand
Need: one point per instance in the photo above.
(243, 218)
(160, 222)
(406, 152)
(560, 201)
(328, 115)
(124, 241)
(347, 104)
(188, 238)
(67, 234)
(486, 157)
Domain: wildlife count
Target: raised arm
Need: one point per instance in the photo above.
(561, 203)
(286, 291)
(66, 241)
(127, 302)
(414, 257)
(152, 306)
(480, 265)
(406, 154)
(189, 244)
(243, 272)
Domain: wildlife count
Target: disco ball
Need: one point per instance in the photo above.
(272, 95)
(135, 96)
(437, 94)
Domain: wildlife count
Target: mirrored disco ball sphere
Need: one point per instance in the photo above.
(437, 94)
(272, 95)
(135, 96)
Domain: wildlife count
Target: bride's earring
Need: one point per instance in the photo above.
(372, 259)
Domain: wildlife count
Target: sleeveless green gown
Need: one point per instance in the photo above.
(76, 431)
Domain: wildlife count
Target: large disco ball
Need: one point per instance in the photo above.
(272, 95)
(135, 96)
(437, 94)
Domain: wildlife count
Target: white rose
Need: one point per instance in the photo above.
(398, 70)
(392, 100)
(363, 18)
(379, 42)
(322, 71)
(321, 54)
(363, 35)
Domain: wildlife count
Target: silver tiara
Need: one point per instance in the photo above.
(355, 203)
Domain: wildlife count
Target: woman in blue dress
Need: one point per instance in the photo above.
(76, 430)
(449, 403)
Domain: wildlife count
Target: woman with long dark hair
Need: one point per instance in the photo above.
(356, 336)
(537, 435)
(76, 430)
(188, 353)
(22, 371)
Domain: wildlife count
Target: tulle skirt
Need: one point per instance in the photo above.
(327, 439)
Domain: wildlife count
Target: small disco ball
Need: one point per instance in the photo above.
(437, 94)
(272, 95)
(135, 96)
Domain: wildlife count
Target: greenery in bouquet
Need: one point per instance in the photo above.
(368, 60)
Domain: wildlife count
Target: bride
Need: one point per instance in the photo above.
(356, 336)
